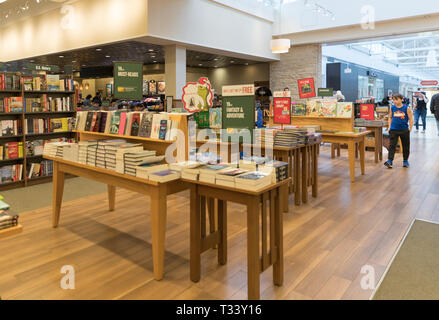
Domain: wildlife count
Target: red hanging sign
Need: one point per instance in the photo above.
(282, 110)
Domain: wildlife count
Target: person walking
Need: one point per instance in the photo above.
(421, 111)
(400, 124)
(434, 108)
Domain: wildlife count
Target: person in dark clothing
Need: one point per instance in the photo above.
(400, 124)
(97, 99)
(421, 111)
(387, 100)
(434, 108)
(87, 101)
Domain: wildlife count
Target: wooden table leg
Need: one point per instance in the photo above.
(58, 190)
(351, 151)
(381, 145)
(361, 145)
(377, 144)
(253, 257)
(305, 165)
(286, 158)
(111, 197)
(297, 189)
(158, 230)
(278, 266)
(338, 150)
(315, 171)
(332, 151)
(195, 235)
(222, 229)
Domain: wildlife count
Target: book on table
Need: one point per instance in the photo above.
(164, 176)
(143, 171)
(253, 181)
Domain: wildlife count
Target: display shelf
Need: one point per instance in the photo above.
(10, 161)
(47, 113)
(100, 134)
(36, 135)
(49, 92)
(10, 91)
(12, 137)
(314, 117)
(11, 231)
(12, 185)
(3, 114)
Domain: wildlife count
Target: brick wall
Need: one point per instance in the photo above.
(301, 62)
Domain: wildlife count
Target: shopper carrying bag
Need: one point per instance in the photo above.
(400, 124)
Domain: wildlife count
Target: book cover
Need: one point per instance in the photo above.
(368, 111)
(88, 122)
(163, 129)
(115, 121)
(299, 110)
(103, 122)
(122, 124)
(328, 108)
(215, 118)
(145, 126)
(135, 124)
(345, 109)
(12, 148)
(7, 128)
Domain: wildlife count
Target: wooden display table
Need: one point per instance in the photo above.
(256, 202)
(10, 231)
(158, 193)
(351, 139)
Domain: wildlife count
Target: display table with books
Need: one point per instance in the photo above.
(264, 228)
(157, 191)
(9, 225)
(351, 139)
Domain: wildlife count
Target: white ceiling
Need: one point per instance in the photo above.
(15, 10)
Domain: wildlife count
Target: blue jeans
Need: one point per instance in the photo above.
(423, 115)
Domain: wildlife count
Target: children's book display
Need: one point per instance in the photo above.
(325, 108)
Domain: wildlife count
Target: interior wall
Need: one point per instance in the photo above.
(235, 75)
(85, 23)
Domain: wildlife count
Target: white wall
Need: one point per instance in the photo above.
(296, 17)
(235, 75)
(207, 25)
(252, 7)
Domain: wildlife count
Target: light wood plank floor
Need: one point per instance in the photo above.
(327, 241)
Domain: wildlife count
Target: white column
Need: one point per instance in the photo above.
(175, 70)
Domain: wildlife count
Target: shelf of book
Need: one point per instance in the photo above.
(10, 231)
(6, 162)
(26, 84)
(326, 123)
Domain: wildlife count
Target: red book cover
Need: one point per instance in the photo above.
(282, 110)
(368, 111)
(123, 120)
(13, 150)
(93, 121)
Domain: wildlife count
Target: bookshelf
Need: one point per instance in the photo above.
(51, 101)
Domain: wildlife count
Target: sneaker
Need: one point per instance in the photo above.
(417, 130)
(389, 164)
(406, 164)
(423, 131)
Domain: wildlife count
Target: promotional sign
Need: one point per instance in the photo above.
(128, 80)
(36, 67)
(306, 88)
(429, 83)
(282, 107)
(197, 96)
(368, 111)
(238, 107)
(325, 92)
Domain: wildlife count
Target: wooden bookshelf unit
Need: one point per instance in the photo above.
(23, 138)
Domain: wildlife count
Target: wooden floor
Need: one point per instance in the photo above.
(326, 242)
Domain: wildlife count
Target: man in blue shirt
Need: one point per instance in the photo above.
(400, 126)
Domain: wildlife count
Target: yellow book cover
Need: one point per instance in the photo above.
(20, 150)
(1, 152)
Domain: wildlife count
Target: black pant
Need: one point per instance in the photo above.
(405, 141)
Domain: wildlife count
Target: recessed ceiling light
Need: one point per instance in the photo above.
(151, 50)
(216, 59)
(246, 63)
(98, 49)
(107, 56)
(61, 56)
(153, 56)
(155, 61)
(73, 61)
(32, 61)
(200, 64)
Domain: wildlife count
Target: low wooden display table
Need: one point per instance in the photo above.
(256, 202)
(310, 170)
(351, 139)
(158, 193)
(9, 232)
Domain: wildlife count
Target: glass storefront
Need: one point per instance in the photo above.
(370, 87)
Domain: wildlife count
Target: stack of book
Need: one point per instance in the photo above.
(123, 149)
(7, 220)
(91, 154)
(164, 176)
(83, 147)
(54, 149)
(208, 173)
(70, 152)
(291, 137)
(280, 170)
(144, 170)
(189, 169)
(253, 181)
(227, 177)
(110, 152)
(134, 159)
(101, 151)
(313, 138)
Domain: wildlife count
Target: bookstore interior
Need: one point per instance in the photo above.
(246, 160)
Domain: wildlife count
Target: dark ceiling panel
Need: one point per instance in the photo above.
(126, 51)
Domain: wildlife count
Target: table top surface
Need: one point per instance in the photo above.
(263, 146)
(238, 190)
(346, 134)
(105, 171)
